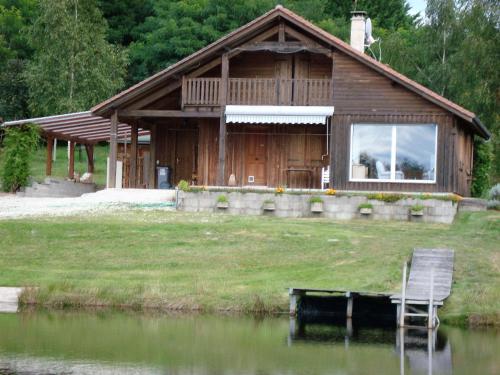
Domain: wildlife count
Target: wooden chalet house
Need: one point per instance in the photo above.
(279, 100)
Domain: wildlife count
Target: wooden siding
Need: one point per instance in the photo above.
(341, 133)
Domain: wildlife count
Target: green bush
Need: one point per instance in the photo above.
(417, 208)
(481, 170)
(385, 197)
(315, 199)
(183, 185)
(222, 199)
(20, 143)
(365, 205)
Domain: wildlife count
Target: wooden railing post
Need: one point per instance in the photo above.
(71, 162)
(402, 310)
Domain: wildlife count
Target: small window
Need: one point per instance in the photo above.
(393, 153)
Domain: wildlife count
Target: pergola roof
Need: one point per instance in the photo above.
(80, 127)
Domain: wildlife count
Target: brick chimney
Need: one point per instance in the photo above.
(358, 30)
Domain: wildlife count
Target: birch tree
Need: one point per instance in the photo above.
(73, 67)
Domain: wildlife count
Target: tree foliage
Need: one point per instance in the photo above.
(73, 67)
(19, 146)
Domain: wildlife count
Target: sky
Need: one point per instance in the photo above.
(417, 6)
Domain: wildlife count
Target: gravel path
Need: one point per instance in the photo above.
(107, 200)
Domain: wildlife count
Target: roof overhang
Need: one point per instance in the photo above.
(80, 127)
(270, 114)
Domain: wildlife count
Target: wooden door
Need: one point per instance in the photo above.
(185, 155)
(256, 159)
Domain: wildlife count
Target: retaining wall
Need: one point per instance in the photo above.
(334, 207)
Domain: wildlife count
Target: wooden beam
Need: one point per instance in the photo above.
(90, 158)
(66, 137)
(281, 32)
(166, 113)
(50, 149)
(222, 124)
(133, 156)
(285, 47)
(113, 149)
(71, 161)
(152, 157)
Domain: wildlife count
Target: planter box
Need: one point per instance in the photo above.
(317, 207)
(365, 211)
(417, 213)
(269, 206)
(222, 205)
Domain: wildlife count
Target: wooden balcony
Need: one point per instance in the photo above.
(206, 92)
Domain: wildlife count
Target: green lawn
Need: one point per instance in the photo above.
(212, 262)
(60, 166)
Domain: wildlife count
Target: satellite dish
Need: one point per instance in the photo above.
(368, 32)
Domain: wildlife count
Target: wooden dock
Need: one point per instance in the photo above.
(428, 285)
(296, 293)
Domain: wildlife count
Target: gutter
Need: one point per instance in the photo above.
(485, 133)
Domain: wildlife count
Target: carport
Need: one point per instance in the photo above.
(86, 129)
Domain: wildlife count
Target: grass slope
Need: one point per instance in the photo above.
(218, 262)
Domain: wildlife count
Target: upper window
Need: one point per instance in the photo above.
(393, 153)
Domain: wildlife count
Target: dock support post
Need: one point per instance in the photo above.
(403, 296)
(349, 304)
(430, 318)
(293, 302)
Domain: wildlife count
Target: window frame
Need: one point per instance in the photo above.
(393, 180)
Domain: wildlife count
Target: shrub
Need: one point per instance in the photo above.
(494, 193)
(19, 145)
(481, 169)
(315, 199)
(268, 201)
(385, 197)
(222, 199)
(493, 205)
(280, 190)
(365, 205)
(417, 208)
(183, 185)
(330, 192)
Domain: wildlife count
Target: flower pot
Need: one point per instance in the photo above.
(317, 207)
(365, 211)
(417, 213)
(222, 205)
(270, 206)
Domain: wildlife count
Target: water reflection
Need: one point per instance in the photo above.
(128, 343)
(421, 351)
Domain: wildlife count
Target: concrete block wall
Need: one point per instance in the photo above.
(298, 205)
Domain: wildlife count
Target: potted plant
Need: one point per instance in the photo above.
(417, 210)
(316, 204)
(222, 202)
(269, 205)
(365, 208)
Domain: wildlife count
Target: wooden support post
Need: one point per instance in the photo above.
(48, 164)
(89, 149)
(113, 149)
(402, 310)
(152, 157)
(71, 161)
(332, 160)
(349, 304)
(133, 156)
(430, 318)
(222, 127)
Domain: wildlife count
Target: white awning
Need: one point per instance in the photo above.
(273, 114)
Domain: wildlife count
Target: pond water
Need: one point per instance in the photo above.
(127, 343)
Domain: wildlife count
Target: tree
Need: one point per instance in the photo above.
(73, 67)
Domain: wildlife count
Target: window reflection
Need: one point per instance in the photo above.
(408, 151)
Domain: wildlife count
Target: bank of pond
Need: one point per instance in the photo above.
(108, 342)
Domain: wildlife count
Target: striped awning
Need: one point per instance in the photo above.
(82, 127)
(271, 114)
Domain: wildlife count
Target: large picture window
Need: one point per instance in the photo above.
(393, 152)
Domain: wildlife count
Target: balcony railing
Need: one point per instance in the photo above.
(257, 91)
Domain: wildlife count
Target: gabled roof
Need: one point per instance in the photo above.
(258, 24)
